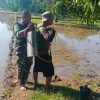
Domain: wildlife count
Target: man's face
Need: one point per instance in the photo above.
(26, 18)
(48, 22)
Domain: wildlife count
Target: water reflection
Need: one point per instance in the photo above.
(75, 32)
(5, 36)
(87, 46)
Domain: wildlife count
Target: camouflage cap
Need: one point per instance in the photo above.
(47, 16)
(25, 13)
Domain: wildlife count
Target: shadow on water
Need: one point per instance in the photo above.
(65, 93)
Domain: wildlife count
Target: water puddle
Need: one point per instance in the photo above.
(86, 44)
(5, 37)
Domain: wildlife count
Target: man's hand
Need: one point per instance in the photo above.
(23, 33)
(30, 27)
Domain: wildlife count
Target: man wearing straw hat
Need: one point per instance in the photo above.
(43, 61)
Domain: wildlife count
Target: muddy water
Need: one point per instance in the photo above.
(86, 45)
(5, 37)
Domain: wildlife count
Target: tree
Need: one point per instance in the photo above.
(87, 10)
(2, 3)
(59, 9)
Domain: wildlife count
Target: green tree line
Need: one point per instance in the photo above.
(37, 6)
(87, 10)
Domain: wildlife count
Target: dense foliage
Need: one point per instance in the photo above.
(36, 6)
(87, 10)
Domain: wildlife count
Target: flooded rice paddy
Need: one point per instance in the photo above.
(5, 37)
(83, 52)
(76, 52)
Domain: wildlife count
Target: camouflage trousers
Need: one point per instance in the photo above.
(24, 64)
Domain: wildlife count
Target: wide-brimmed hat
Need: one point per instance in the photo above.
(47, 16)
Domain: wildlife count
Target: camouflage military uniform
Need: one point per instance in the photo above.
(23, 62)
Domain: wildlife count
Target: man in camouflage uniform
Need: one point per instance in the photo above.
(23, 62)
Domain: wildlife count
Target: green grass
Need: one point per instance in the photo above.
(7, 93)
(59, 93)
(70, 22)
(97, 25)
(36, 20)
(62, 92)
(78, 23)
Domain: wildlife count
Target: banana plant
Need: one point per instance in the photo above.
(88, 11)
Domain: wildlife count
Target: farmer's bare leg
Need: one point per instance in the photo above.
(35, 77)
(48, 82)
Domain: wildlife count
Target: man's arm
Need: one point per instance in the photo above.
(23, 33)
